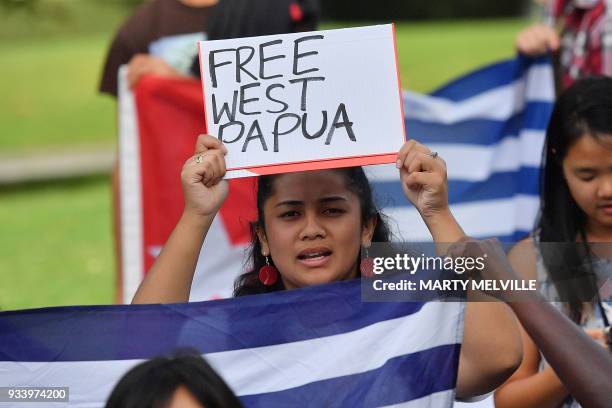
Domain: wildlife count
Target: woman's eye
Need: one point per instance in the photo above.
(289, 214)
(587, 178)
(333, 211)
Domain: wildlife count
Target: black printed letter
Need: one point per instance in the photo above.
(268, 94)
(281, 117)
(240, 63)
(305, 88)
(297, 55)
(224, 109)
(263, 60)
(213, 65)
(346, 123)
(252, 135)
(243, 101)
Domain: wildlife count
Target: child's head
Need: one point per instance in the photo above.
(181, 380)
(576, 192)
(577, 178)
(312, 226)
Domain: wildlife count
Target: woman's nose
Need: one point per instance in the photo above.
(605, 188)
(312, 227)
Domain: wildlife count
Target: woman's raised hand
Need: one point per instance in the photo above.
(202, 177)
(423, 178)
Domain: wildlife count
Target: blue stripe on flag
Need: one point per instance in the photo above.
(393, 383)
(477, 131)
(487, 78)
(108, 333)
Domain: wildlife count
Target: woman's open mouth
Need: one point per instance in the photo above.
(314, 257)
(607, 209)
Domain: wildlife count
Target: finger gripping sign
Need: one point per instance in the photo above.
(304, 101)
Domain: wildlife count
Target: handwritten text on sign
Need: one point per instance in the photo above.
(308, 97)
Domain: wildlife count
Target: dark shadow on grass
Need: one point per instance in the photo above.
(72, 183)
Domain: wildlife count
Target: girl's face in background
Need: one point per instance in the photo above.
(587, 168)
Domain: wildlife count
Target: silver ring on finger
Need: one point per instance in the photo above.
(199, 158)
(433, 154)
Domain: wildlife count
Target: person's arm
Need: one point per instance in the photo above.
(170, 278)
(145, 64)
(529, 387)
(581, 366)
(491, 348)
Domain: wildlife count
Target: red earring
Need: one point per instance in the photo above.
(268, 274)
(366, 266)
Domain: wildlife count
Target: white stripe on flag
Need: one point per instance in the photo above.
(477, 163)
(540, 84)
(485, 105)
(318, 358)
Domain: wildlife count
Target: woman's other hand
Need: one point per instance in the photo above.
(423, 178)
(202, 177)
(144, 64)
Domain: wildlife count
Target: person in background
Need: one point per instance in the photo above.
(160, 38)
(182, 380)
(575, 215)
(584, 42)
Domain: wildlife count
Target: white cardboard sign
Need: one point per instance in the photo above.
(304, 101)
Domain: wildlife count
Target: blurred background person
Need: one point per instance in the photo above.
(583, 40)
(158, 38)
(183, 380)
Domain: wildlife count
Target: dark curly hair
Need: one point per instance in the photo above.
(355, 181)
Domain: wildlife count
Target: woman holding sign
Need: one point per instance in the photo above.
(310, 229)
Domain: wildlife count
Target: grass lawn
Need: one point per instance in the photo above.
(50, 94)
(431, 54)
(55, 241)
(55, 246)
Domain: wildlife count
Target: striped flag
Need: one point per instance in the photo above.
(489, 126)
(275, 350)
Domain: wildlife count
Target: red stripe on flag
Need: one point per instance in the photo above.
(170, 120)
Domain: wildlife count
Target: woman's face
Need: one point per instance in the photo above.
(313, 228)
(588, 170)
